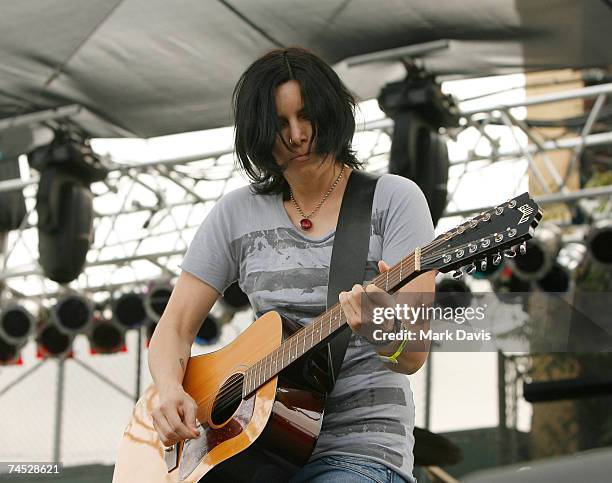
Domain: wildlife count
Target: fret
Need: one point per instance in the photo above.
(287, 353)
(401, 263)
(387, 281)
(295, 348)
(312, 334)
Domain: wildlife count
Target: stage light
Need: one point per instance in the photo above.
(234, 298)
(12, 203)
(64, 203)
(453, 293)
(599, 242)
(9, 352)
(16, 324)
(560, 277)
(129, 310)
(419, 109)
(421, 93)
(72, 314)
(156, 299)
(507, 281)
(105, 337)
(540, 256)
(52, 342)
(209, 332)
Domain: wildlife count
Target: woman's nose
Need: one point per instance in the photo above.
(298, 133)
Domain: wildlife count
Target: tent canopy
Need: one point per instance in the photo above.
(152, 67)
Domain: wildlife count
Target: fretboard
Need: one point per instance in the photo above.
(321, 328)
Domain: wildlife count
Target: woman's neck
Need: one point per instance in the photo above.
(309, 185)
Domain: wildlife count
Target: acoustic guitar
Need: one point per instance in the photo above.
(249, 398)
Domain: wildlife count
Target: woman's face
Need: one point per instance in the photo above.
(296, 128)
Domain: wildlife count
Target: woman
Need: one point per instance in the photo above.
(294, 126)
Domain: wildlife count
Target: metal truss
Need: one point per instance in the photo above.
(147, 213)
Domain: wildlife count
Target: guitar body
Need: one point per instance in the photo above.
(281, 417)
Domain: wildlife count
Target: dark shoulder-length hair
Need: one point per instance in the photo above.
(327, 102)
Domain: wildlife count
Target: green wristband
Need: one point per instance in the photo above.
(392, 359)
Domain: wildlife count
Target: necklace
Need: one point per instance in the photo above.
(305, 222)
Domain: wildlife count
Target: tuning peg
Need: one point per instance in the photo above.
(470, 269)
(497, 259)
(510, 253)
(483, 264)
(523, 248)
(457, 274)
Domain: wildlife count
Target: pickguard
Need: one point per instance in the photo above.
(195, 450)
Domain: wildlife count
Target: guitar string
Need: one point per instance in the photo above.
(229, 394)
(232, 393)
(335, 313)
(389, 276)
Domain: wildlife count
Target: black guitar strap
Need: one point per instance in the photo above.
(349, 256)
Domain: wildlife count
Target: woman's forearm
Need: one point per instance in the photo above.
(168, 356)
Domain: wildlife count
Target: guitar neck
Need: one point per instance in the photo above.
(500, 229)
(322, 327)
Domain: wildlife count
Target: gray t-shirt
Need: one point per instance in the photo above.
(250, 238)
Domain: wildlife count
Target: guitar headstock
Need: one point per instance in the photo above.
(494, 232)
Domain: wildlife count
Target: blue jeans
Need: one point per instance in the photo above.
(345, 469)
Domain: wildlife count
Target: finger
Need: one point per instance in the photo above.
(354, 299)
(189, 417)
(382, 266)
(167, 436)
(177, 425)
(347, 308)
(372, 288)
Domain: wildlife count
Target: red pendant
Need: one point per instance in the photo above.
(305, 224)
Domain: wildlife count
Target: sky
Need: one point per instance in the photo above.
(464, 389)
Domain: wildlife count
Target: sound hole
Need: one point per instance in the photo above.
(228, 400)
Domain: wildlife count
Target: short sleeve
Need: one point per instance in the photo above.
(408, 223)
(210, 257)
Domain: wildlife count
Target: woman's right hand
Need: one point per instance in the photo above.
(174, 418)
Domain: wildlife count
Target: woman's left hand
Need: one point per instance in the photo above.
(361, 321)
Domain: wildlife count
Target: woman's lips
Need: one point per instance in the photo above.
(301, 157)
